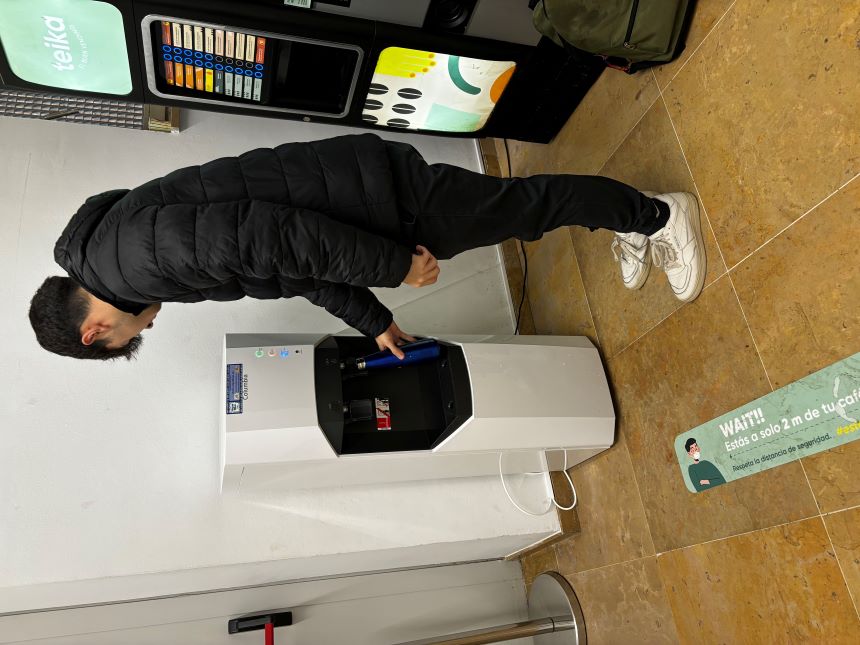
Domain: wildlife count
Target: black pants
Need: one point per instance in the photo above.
(450, 210)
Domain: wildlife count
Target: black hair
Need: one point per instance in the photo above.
(57, 312)
(689, 443)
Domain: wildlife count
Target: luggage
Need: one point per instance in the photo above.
(628, 34)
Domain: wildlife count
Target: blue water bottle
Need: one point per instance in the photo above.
(418, 352)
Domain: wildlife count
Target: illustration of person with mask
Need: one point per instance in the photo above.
(703, 474)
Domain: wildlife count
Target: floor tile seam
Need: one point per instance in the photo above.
(742, 533)
(829, 539)
(642, 335)
(830, 542)
(776, 235)
(808, 483)
(695, 184)
(630, 131)
(608, 565)
(740, 304)
(841, 510)
(584, 290)
(641, 499)
(699, 46)
(705, 212)
(752, 335)
(662, 320)
(677, 618)
(666, 317)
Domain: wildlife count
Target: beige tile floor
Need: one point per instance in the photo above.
(759, 117)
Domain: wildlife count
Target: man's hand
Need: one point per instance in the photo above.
(391, 338)
(424, 269)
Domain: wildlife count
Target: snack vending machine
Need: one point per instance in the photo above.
(264, 58)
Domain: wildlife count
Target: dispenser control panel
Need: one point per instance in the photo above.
(269, 386)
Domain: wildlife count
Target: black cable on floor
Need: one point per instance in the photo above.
(523, 248)
(525, 284)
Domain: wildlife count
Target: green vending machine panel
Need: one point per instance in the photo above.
(73, 45)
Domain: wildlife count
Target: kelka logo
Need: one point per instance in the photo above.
(58, 40)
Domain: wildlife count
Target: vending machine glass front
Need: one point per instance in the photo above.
(221, 65)
(75, 45)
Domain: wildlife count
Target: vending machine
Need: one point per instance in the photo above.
(337, 62)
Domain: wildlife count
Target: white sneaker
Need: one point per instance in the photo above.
(678, 247)
(630, 250)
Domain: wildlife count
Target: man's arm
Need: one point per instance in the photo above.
(356, 306)
(359, 308)
(715, 477)
(695, 478)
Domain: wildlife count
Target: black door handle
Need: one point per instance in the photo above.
(254, 622)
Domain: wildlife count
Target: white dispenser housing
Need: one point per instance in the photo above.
(543, 401)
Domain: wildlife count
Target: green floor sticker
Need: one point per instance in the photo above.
(818, 412)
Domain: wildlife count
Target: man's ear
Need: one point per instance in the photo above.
(93, 332)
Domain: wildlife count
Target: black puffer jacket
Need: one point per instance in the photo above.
(312, 219)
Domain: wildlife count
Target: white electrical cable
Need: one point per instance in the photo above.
(552, 499)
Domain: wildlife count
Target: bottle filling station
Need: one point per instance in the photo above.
(307, 411)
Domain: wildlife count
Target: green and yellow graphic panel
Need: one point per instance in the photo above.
(420, 90)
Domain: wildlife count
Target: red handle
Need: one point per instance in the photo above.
(625, 68)
(270, 634)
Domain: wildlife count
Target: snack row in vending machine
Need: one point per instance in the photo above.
(206, 59)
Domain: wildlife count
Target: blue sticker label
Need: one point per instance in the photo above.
(234, 388)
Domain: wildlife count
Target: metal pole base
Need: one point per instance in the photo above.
(552, 595)
(555, 618)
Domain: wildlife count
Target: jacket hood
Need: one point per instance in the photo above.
(70, 249)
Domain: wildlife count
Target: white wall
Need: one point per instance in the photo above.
(111, 469)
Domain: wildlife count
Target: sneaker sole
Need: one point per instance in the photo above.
(697, 229)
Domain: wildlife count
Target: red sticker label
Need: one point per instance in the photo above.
(383, 414)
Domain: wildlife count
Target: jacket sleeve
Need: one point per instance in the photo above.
(356, 306)
(298, 243)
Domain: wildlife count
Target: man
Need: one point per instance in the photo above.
(703, 474)
(325, 220)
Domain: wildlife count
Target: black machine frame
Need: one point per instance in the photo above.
(544, 89)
